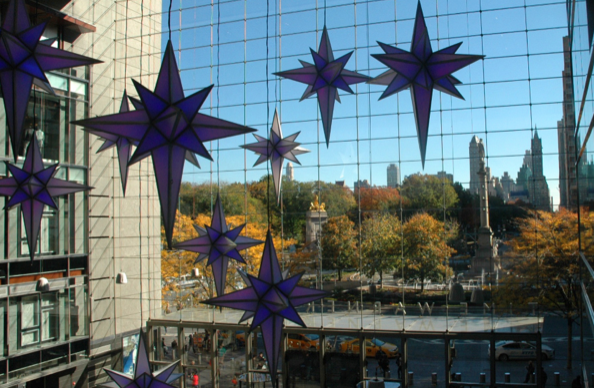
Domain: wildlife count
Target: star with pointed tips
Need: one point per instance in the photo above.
(33, 187)
(324, 77)
(143, 376)
(24, 59)
(421, 70)
(276, 149)
(219, 244)
(167, 128)
(269, 299)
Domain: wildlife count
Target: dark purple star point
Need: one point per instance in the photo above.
(143, 376)
(324, 77)
(219, 244)
(170, 129)
(269, 299)
(24, 59)
(421, 70)
(33, 187)
(276, 149)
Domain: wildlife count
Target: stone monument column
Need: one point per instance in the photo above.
(315, 217)
(483, 261)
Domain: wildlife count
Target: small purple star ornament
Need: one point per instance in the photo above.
(276, 149)
(33, 187)
(421, 70)
(168, 128)
(269, 299)
(24, 59)
(143, 376)
(324, 77)
(218, 243)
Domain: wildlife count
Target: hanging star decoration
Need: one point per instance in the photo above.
(122, 144)
(143, 376)
(219, 243)
(421, 70)
(269, 299)
(276, 149)
(24, 59)
(324, 77)
(167, 128)
(33, 187)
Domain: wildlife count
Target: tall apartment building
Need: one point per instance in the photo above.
(290, 173)
(393, 174)
(63, 334)
(539, 192)
(568, 186)
(474, 160)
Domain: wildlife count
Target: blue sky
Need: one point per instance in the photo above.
(520, 91)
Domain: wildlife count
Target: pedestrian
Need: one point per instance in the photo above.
(261, 361)
(529, 371)
(163, 346)
(383, 361)
(543, 376)
(577, 382)
(398, 362)
(174, 349)
(191, 343)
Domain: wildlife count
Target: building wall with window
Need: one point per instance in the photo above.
(65, 335)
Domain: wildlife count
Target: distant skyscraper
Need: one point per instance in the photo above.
(364, 184)
(540, 196)
(566, 139)
(508, 185)
(393, 175)
(474, 159)
(442, 175)
(290, 176)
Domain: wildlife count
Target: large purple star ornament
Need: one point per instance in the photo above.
(33, 187)
(167, 128)
(218, 243)
(421, 70)
(143, 376)
(269, 299)
(276, 149)
(324, 77)
(24, 59)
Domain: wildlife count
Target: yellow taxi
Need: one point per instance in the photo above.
(372, 346)
(302, 341)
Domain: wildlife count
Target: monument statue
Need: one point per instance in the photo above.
(316, 206)
(315, 217)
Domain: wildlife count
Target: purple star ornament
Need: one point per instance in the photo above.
(218, 243)
(168, 128)
(269, 299)
(33, 187)
(421, 70)
(122, 144)
(143, 376)
(24, 59)
(276, 149)
(324, 77)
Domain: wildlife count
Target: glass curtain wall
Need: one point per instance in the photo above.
(401, 245)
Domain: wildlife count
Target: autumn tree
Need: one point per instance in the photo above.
(545, 264)
(339, 244)
(426, 250)
(381, 244)
(175, 263)
(428, 194)
(378, 199)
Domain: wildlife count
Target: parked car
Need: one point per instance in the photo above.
(516, 350)
(372, 346)
(303, 342)
(333, 342)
